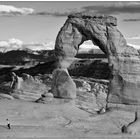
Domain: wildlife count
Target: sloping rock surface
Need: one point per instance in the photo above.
(29, 89)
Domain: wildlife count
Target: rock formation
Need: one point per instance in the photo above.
(45, 98)
(6, 96)
(93, 100)
(28, 89)
(62, 85)
(124, 61)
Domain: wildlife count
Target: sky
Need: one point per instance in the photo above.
(38, 22)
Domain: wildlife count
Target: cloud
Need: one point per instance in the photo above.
(131, 20)
(11, 44)
(39, 46)
(8, 10)
(16, 44)
(115, 8)
(134, 37)
(49, 46)
(62, 13)
(55, 14)
(100, 7)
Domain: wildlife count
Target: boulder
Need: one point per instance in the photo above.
(124, 61)
(45, 98)
(47, 94)
(63, 85)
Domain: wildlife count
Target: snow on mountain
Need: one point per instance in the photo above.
(135, 46)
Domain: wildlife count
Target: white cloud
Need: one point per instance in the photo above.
(11, 10)
(16, 44)
(39, 46)
(11, 44)
(4, 44)
(49, 45)
(134, 37)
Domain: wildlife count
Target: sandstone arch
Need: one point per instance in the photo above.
(123, 60)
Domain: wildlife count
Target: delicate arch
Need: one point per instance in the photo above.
(102, 31)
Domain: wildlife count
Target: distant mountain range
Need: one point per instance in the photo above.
(34, 62)
(22, 57)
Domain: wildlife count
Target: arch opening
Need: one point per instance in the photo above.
(90, 62)
(91, 50)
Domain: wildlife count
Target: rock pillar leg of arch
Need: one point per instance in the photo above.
(125, 83)
(67, 43)
(62, 85)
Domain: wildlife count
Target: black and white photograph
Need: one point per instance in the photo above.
(69, 69)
